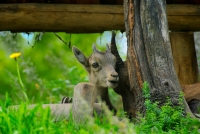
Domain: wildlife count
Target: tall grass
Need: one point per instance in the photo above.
(38, 120)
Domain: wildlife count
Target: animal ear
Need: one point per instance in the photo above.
(94, 48)
(80, 56)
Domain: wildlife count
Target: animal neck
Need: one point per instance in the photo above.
(101, 91)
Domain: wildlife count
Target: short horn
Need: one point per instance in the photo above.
(114, 51)
(107, 47)
(94, 48)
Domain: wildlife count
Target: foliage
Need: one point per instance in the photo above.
(38, 120)
(49, 71)
(165, 119)
(47, 66)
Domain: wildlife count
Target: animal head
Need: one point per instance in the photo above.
(100, 67)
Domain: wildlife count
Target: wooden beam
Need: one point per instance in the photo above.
(184, 55)
(85, 18)
(183, 17)
(183, 10)
(184, 23)
(61, 17)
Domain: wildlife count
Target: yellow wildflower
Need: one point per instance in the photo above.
(15, 55)
(37, 86)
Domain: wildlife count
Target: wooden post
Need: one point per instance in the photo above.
(184, 54)
(185, 63)
(83, 102)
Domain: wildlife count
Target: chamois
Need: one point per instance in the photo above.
(104, 69)
(107, 69)
(101, 71)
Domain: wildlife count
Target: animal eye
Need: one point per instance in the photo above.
(95, 65)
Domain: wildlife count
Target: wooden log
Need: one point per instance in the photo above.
(85, 18)
(182, 1)
(183, 17)
(62, 111)
(184, 23)
(54, 1)
(83, 102)
(184, 55)
(183, 10)
(61, 17)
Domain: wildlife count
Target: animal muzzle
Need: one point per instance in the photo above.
(113, 79)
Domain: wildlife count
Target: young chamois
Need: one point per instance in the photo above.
(101, 71)
(106, 69)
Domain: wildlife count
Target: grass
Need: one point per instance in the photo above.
(48, 85)
(38, 120)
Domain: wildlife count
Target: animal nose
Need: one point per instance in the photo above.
(114, 74)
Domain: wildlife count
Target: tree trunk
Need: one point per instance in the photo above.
(149, 52)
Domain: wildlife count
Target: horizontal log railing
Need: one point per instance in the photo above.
(85, 18)
(61, 17)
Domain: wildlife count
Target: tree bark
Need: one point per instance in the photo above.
(132, 59)
(149, 52)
